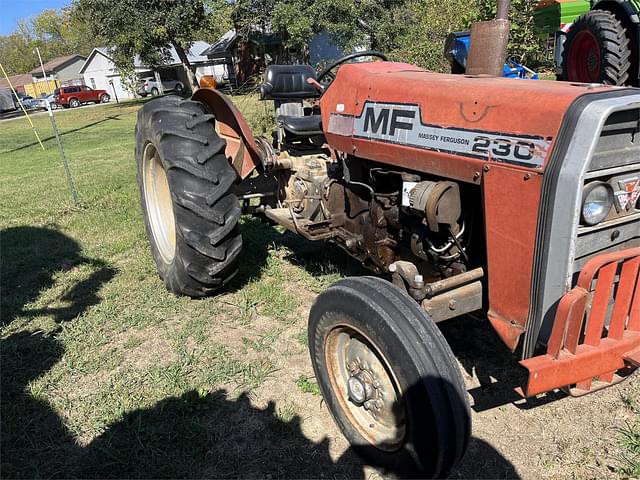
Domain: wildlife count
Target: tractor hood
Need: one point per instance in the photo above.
(448, 125)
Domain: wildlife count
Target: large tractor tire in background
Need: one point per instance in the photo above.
(597, 50)
(389, 378)
(184, 178)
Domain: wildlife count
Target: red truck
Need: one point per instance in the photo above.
(75, 95)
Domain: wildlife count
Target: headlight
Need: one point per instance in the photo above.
(597, 200)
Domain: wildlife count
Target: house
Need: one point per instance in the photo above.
(236, 61)
(221, 57)
(100, 71)
(18, 82)
(66, 70)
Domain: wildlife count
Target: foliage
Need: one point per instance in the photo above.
(217, 20)
(145, 28)
(427, 25)
(525, 46)
(54, 32)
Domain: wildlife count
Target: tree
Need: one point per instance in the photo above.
(427, 24)
(54, 32)
(146, 28)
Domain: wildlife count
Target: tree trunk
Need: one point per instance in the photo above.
(188, 69)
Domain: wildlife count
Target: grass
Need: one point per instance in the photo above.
(104, 373)
(307, 385)
(627, 461)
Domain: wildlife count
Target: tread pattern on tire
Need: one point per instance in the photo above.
(615, 52)
(208, 240)
(423, 338)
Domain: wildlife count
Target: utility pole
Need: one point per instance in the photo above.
(46, 81)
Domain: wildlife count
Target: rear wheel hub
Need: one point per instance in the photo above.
(584, 58)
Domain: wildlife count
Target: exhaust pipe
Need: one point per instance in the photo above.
(488, 43)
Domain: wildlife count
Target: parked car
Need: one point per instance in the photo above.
(76, 95)
(47, 99)
(27, 101)
(150, 86)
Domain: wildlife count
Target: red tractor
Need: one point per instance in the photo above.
(517, 199)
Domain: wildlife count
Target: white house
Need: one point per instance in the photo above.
(100, 71)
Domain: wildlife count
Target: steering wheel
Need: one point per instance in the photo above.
(327, 71)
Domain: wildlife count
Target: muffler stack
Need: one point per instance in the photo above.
(488, 44)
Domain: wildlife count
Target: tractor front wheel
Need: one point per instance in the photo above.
(389, 378)
(184, 178)
(597, 50)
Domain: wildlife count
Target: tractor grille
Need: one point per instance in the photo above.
(616, 161)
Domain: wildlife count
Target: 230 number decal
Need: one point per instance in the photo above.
(504, 148)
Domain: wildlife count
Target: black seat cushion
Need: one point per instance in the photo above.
(286, 82)
(302, 126)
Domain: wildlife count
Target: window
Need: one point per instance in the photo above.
(93, 83)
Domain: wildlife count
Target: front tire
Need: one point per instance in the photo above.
(104, 98)
(597, 50)
(184, 179)
(389, 378)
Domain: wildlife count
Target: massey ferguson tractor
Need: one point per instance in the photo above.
(462, 193)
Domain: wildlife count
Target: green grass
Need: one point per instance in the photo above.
(307, 385)
(104, 373)
(628, 460)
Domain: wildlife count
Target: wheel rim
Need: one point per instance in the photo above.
(158, 202)
(74, 103)
(366, 387)
(584, 58)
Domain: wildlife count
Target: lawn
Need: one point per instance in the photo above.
(105, 374)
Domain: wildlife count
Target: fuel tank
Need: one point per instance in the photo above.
(447, 125)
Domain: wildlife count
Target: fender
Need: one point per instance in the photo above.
(630, 8)
(241, 149)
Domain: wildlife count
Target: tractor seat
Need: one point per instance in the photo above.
(288, 82)
(302, 126)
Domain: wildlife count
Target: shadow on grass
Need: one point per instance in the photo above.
(30, 257)
(191, 436)
(317, 258)
(66, 132)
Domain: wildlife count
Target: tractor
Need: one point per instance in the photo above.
(458, 203)
(594, 41)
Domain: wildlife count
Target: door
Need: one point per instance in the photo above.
(87, 94)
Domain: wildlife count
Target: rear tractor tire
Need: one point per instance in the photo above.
(389, 378)
(597, 50)
(184, 179)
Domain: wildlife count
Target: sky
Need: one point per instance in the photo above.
(14, 10)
